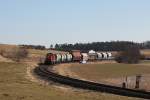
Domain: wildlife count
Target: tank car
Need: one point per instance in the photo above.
(63, 58)
(109, 55)
(85, 56)
(104, 55)
(58, 58)
(99, 56)
(69, 57)
(92, 55)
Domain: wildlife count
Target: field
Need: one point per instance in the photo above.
(110, 70)
(113, 73)
(15, 86)
(146, 52)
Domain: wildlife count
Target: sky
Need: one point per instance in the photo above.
(48, 22)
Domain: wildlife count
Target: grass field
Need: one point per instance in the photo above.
(14, 86)
(146, 52)
(109, 70)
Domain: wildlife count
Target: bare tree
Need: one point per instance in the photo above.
(17, 54)
(2, 52)
(20, 53)
(131, 54)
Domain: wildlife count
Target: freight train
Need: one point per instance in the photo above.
(76, 56)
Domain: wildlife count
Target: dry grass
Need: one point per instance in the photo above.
(43, 52)
(146, 52)
(109, 70)
(113, 73)
(7, 46)
(14, 86)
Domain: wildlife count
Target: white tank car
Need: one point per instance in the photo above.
(84, 56)
(92, 55)
(69, 57)
(109, 55)
(99, 56)
(58, 58)
(104, 55)
(63, 57)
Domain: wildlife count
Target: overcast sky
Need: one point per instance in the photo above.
(48, 22)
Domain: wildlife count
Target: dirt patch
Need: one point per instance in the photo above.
(29, 71)
(30, 75)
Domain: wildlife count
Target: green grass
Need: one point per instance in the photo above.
(110, 70)
(14, 86)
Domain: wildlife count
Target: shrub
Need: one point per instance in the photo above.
(15, 54)
(19, 54)
(130, 55)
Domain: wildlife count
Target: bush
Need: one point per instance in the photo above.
(143, 57)
(15, 54)
(2, 52)
(20, 54)
(130, 55)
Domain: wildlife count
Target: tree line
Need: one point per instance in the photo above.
(39, 47)
(97, 46)
(101, 46)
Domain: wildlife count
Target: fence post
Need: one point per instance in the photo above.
(138, 79)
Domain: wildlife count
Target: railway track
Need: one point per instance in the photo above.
(43, 71)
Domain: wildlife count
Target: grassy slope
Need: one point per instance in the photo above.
(43, 52)
(14, 86)
(99, 71)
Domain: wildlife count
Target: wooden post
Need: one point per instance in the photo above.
(123, 85)
(126, 81)
(138, 79)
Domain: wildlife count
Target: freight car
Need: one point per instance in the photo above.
(76, 55)
(92, 55)
(104, 55)
(85, 56)
(69, 57)
(58, 58)
(63, 58)
(109, 55)
(99, 56)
